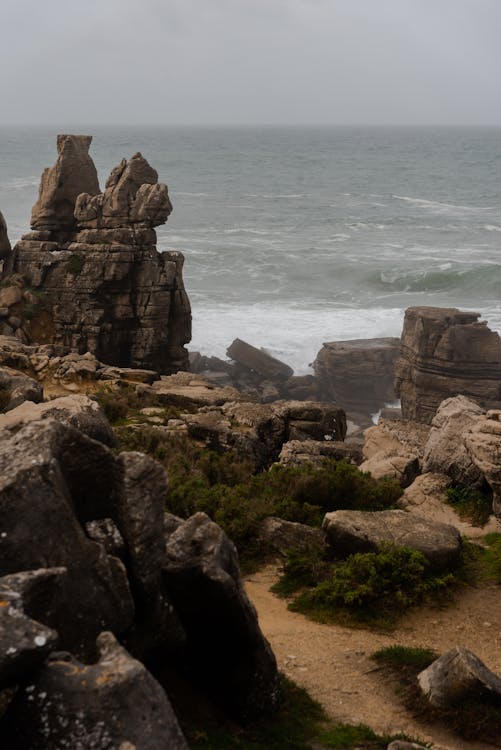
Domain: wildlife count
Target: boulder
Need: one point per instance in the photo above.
(114, 703)
(258, 361)
(281, 536)
(4, 239)
(311, 420)
(226, 652)
(78, 410)
(404, 468)
(445, 451)
(53, 479)
(300, 452)
(358, 375)
(350, 531)
(186, 390)
(16, 387)
(393, 448)
(483, 443)
(446, 352)
(24, 642)
(73, 173)
(457, 675)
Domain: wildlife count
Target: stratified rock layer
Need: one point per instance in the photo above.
(98, 281)
(446, 352)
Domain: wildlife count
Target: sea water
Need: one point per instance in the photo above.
(299, 235)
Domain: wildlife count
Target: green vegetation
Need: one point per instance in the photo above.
(371, 587)
(123, 405)
(75, 263)
(405, 656)
(470, 504)
(300, 724)
(492, 557)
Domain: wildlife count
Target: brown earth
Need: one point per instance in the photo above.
(333, 662)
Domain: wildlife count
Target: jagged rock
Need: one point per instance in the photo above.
(446, 352)
(483, 443)
(445, 451)
(4, 239)
(24, 642)
(299, 452)
(302, 388)
(358, 375)
(393, 448)
(132, 196)
(73, 173)
(52, 480)
(225, 649)
(102, 287)
(350, 531)
(455, 675)
(259, 361)
(78, 410)
(105, 533)
(404, 745)
(16, 388)
(115, 703)
(281, 536)
(311, 420)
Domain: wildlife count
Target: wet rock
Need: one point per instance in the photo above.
(4, 239)
(78, 411)
(226, 652)
(115, 703)
(73, 173)
(358, 375)
(446, 352)
(258, 361)
(455, 675)
(17, 387)
(350, 531)
(445, 450)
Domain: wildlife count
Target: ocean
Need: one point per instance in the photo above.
(299, 235)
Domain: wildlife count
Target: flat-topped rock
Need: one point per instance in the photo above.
(350, 531)
(185, 389)
(446, 352)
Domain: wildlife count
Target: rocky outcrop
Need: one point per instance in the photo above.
(73, 173)
(446, 352)
(358, 375)
(279, 536)
(4, 239)
(457, 674)
(350, 531)
(16, 388)
(394, 448)
(483, 443)
(96, 282)
(224, 645)
(114, 703)
(299, 452)
(259, 361)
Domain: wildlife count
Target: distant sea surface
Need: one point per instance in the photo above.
(296, 236)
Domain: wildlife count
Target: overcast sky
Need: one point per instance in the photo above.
(250, 61)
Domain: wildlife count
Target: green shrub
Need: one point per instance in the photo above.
(470, 504)
(75, 263)
(492, 556)
(405, 656)
(372, 586)
(304, 568)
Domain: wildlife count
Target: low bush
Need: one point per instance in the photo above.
(470, 504)
(405, 656)
(492, 556)
(370, 587)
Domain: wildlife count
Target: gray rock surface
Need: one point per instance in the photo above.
(279, 536)
(258, 360)
(17, 387)
(456, 675)
(483, 443)
(226, 651)
(114, 703)
(300, 452)
(4, 239)
(350, 531)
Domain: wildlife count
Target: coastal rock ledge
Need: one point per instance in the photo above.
(91, 277)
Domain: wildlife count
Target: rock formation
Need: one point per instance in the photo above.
(4, 239)
(358, 374)
(446, 352)
(95, 280)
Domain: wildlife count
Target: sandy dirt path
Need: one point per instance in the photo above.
(333, 664)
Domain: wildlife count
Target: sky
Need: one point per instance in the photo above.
(207, 62)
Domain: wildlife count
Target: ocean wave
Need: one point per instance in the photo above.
(20, 183)
(492, 228)
(440, 207)
(483, 280)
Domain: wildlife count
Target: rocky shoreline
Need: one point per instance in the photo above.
(102, 588)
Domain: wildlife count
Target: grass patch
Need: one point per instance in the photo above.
(492, 557)
(372, 588)
(405, 656)
(470, 505)
(299, 724)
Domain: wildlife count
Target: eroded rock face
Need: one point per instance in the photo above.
(358, 374)
(97, 281)
(446, 352)
(73, 173)
(483, 443)
(4, 239)
(115, 703)
(225, 651)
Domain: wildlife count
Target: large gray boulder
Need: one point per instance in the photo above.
(4, 239)
(226, 652)
(350, 531)
(112, 704)
(17, 387)
(455, 675)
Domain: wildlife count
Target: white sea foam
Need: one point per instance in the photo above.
(440, 207)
